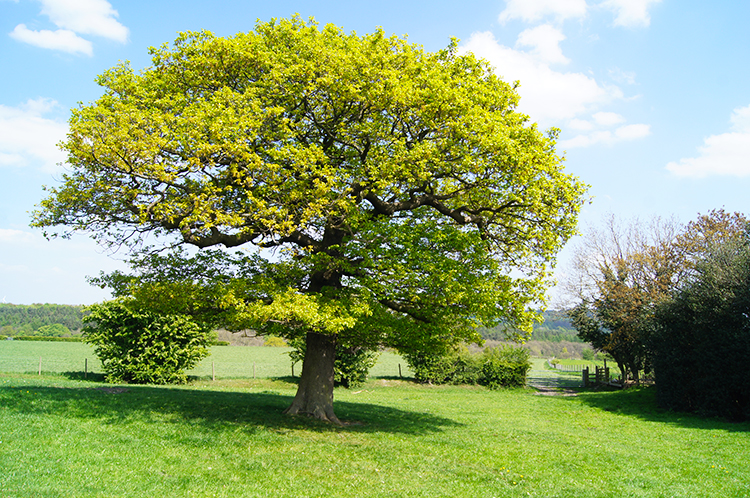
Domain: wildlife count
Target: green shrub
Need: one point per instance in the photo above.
(47, 339)
(505, 366)
(275, 342)
(433, 367)
(144, 347)
(587, 354)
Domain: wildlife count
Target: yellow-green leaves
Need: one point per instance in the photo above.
(396, 185)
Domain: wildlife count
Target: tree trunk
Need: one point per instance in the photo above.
(315, 392)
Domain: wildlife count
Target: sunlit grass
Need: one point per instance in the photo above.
(61, 437)
(225, 362)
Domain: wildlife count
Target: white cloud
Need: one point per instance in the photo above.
(580, 124)
(545, 42)
(632, 132)
(534, 10)
(90, 17)
(63, 40)
(727, 154)
(548, 96)
(620, 76)
(607, 118)
(631, 13)
(27, 136)
(9, 236)
(740, 119)
(621, 134)
(73, 17)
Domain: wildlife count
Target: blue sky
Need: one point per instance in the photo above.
(652, 97)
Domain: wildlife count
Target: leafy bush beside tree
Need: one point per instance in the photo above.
(503, 366)
(144, 347)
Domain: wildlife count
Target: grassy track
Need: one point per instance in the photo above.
(61, 437)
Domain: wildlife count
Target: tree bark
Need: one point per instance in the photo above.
(315, 391)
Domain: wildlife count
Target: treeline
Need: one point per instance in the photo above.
(52, 320)
(556, 327)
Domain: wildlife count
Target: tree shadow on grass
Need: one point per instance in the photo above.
(212, 408)
(640, 402)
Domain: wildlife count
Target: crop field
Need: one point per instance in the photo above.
(61, 435)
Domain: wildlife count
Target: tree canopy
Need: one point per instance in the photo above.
(701, 338)
(393, 195)
(623, 272)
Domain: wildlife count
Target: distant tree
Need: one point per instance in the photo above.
(56, 330)
(620, 272)
(144, 347)
(405, 198)
(34, 316)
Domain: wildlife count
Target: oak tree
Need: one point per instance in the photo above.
(394, 195)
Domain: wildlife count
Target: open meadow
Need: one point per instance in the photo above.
(62, 435)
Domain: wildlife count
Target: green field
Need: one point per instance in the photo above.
(62, 436)
(225, 362)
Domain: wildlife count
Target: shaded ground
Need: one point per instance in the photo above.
(550, 382)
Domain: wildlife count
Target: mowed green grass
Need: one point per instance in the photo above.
(63, 437)
(224, 361)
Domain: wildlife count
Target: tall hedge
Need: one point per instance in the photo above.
(701, 342)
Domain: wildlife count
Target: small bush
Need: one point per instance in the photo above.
(503, 366)
(433, 367)
(275, 342)
(144, 347)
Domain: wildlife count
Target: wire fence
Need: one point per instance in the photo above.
(224, 362)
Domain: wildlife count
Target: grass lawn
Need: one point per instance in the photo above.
(64, 437)
(225, 362)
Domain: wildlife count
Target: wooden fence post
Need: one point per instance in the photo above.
(399, 372)
(586, 377)
(40, 365)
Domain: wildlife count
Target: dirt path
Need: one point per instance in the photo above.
(551, 383)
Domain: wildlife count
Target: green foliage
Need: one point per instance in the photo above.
(55, 330)
(351, 366)
(406, 196)
(17, 319)
(503, 366)
(143, 347)
(587, 354)
(701, 341)
(275, 342)
(47, 338)
(555, 326)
